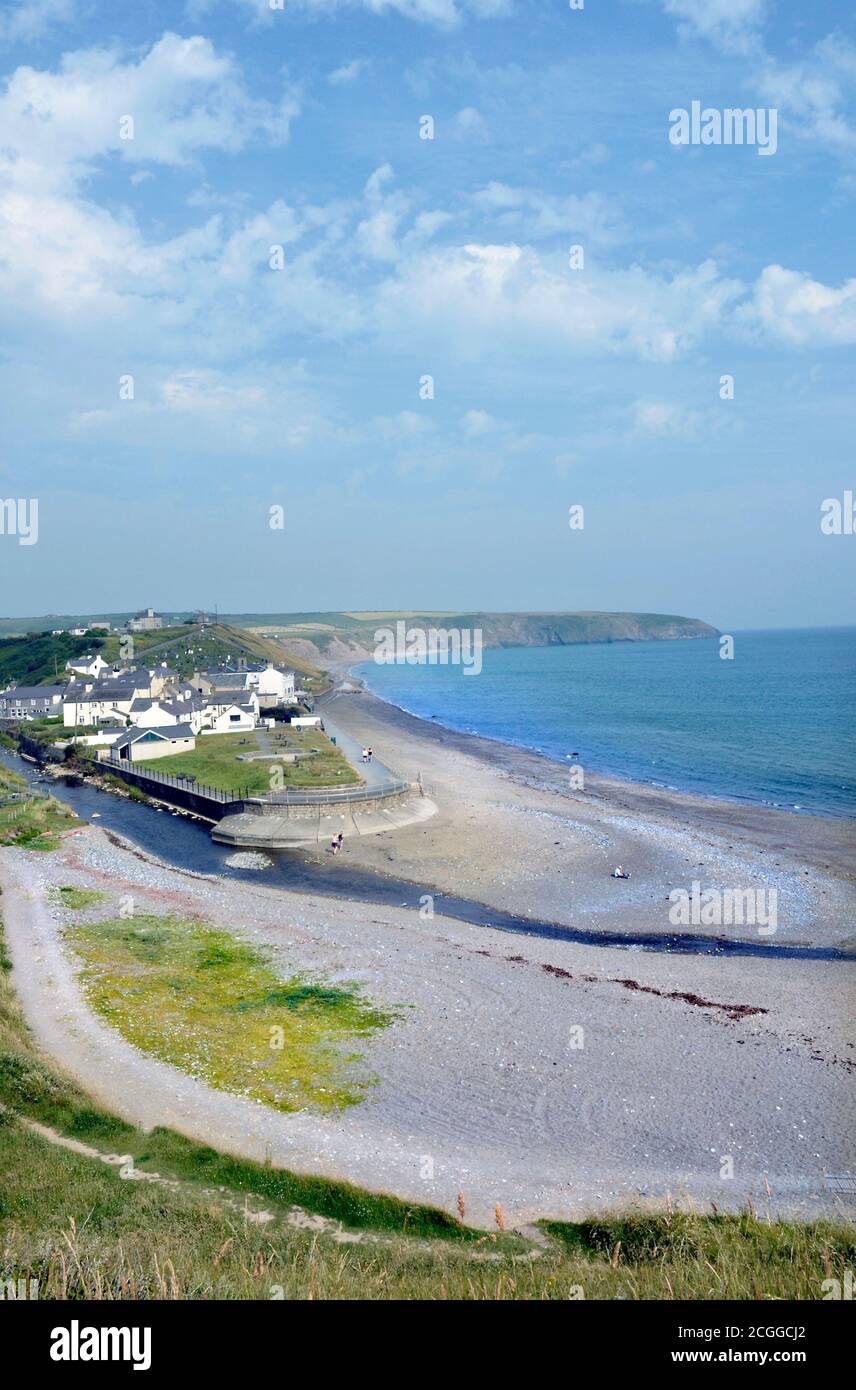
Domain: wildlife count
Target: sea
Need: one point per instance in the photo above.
(774, 725)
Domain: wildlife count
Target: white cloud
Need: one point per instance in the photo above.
(405, 426)
(590, 157)
(816, 93)
(481, 297)
(205, 408)
(348, 72)
(31, 19)
(791, 307)
(182, 96)
(536, 214)
(732, 23)
(197, 391)
(663, 418)
(476, 423)
(469, 125)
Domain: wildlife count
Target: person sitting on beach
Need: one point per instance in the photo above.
(619, 873)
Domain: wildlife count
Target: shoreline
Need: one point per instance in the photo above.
(825, 841)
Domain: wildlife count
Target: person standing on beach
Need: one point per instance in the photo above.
(365, 755)
(370, 752)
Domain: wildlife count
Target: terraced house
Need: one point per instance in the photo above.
(31, 701)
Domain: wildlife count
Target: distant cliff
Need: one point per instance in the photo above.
(326, 637)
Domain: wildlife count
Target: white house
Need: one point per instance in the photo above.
(99, 703)
(223, 716)
(271, 682)
(272, 685)
(161, 714)
(87, 665)
(138, 745)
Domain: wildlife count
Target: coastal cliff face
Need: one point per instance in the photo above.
(351, 636)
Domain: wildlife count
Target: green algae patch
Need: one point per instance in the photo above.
(202, 1000)
(75, 899)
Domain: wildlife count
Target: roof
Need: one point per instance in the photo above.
(168, 733)
(32, 692)
(227, 680)
(99, 693)
(132, 677)
(179, 707)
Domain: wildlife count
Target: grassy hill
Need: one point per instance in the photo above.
(320, 637)
(39, 658)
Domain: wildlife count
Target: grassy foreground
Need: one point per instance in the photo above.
(211, 1005)
(214, 1227)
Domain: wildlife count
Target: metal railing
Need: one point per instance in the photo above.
(321, 795)
(168, 779)
(288, 796)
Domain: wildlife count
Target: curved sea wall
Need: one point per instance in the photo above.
(262, 825)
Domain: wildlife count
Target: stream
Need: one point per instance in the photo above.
(186, 844)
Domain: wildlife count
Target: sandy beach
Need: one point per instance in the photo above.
(553, 1077)
(512, 833)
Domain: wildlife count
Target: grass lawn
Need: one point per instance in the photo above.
(210, 1004)
(327, 767)
(214, 762)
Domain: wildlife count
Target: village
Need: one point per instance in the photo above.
(139, 710)
(181, 719)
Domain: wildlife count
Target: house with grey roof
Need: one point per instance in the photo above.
(31, 701)
(141, 745)
(98, 702)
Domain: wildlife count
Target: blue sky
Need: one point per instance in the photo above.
(150, 258)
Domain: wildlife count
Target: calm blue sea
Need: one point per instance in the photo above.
(776, 725)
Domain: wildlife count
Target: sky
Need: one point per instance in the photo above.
(231, 260)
